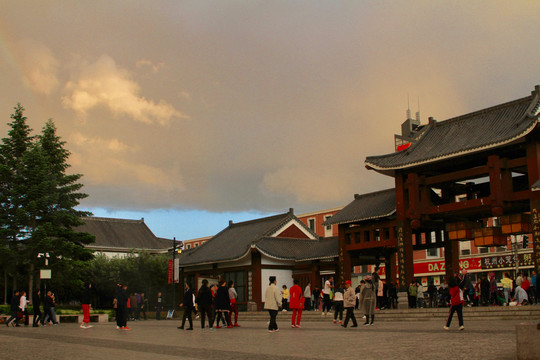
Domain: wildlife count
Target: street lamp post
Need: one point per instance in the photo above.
(173, 279)
(175, 250)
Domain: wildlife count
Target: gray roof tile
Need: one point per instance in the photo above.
(122, 234)
(369, 206)
(298, 249)
(466, 134)
(236, 240)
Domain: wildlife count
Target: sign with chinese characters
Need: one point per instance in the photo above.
(506, 261)
(535, 220)
(401, 256)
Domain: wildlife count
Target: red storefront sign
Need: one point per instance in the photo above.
(438, 267)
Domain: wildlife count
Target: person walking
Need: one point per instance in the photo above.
(338, 304)
(466, 285)
(307, 297)
(272, 303)
(413, 293)
(223, 305)
(368, 300)
(349, 302)
(86, 303)
(188, 305)
(456, 303)
(327, 304)
(204, 302)
(419, 295)
(316, 299)
(48, 309)
(233, 297)
(14, 306)
(23, 305)
(38, 315)
(159, 306)
(122, 298)
(296, 304)
(507, 284)
(144, 305)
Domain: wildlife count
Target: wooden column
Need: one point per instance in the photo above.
(256, 279)
(451, 256)
(495, 184)
(315, 275)
(344, 270)
(404, 235)
(533, 167)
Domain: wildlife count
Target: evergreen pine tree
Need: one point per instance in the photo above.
(12, 191)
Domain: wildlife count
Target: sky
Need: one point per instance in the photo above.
(193, 113)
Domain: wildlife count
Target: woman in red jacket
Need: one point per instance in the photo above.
(456, 303)
(296, 304)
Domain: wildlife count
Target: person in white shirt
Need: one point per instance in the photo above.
(327, 304)
(23, 305)
(307, 296)
(272, 303)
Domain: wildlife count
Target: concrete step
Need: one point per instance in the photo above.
(477, 313)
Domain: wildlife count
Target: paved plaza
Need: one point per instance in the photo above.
(492, 339)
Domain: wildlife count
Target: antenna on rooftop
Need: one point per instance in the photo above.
(418, 112)
(408, 107)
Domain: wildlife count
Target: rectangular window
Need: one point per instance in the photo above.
(357, 237)
(311, 224)
(433, 252)
(465, 247)
(483, 250)
(326, 218)
(366, 236)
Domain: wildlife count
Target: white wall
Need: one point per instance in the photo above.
(284, 277)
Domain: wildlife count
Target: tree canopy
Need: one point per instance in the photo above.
(38, 200)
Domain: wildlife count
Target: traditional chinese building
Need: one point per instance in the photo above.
(249, 252)
(459, 173)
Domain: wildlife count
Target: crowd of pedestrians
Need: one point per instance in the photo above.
(19, 309)
(217, 307)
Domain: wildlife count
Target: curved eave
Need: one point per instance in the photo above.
(218, 260)
(362, 219)
(121, 249)
(390, 170)
(294, 259)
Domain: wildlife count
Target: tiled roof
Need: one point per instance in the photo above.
(298, 249)
(536, 185)
(369, 206)
(466, 134)
(122, 234)
(236, 240)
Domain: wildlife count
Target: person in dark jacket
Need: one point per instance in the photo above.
(38, 315)
(85, 303)
(188, 305)
(204, 301)
(223, 304)
(159, 306)
(14, 309)
(121, 306)
(48, 308)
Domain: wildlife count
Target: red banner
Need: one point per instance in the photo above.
(170, 271)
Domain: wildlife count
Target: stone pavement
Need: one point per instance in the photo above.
(493, 339)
